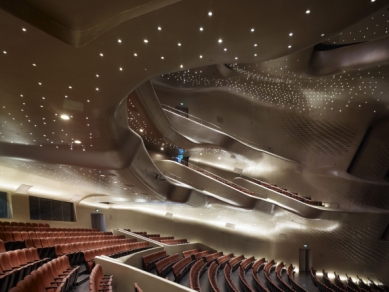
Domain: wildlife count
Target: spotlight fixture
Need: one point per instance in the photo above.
(65, 117)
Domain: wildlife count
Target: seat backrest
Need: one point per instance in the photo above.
(6, 223)
(5, 261)
(31, 234)
(24, 235)
(8, 236)
(21, 253)
(37, 243)
(13, 258)
(17, 236)
(8, 228)
(2, 246)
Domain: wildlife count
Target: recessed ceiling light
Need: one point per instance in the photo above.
(179, 44)
(145, 41)
(4, 52)
(219, 158)
(322, 34)
(162, 148)
(236, 58)
(34, 65)
(23, 29)
(97, 89)
(141, 130)
(252, 30)
(65, 117)
(70, 87)
(220, 41)
(290, 34)
(255, 45)
(119, 40)
(201, 28)
(255, 55)
(159, 28)
(97, 75)
(308, 11)
(181, 66)
(210, 13)
(120, 69)
(39, 83)
(101, 54)
(225, 49)
(372, 0)
(162, 57)
(77, 141)
(289, 47)
(135, 55)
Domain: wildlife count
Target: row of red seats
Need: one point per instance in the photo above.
(10, 223)
(98, 281)
(112, 251)
(173, 241)
(14, 265)
(56, 275)
(231, 266)
(219, 263)
(48, 229)
(15, 240)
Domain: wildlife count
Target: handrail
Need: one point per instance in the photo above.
(188, 116)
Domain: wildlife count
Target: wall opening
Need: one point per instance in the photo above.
(98, 221)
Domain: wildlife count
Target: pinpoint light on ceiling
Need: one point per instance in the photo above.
(65, 117)
(77, 141)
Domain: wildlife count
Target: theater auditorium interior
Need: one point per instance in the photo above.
(180, 145)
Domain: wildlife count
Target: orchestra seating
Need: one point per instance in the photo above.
(173, 241)
(98, 281)
(188, 253)
(256, 268)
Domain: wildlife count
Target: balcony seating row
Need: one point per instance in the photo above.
(212, 257)
(112, 251)
(270, 284)
(181, 267)
(220, 179)
(256, 268)
(160, 238)
(306, 200)
(245, 265)
(148, 261)
(212, 277)
(164, 266)
(195, 273)
(99, 282)
(201, 254)
(355, 286)
(173, 241)
(224, 260)
(291, 280)
(188, 253)
(234, 261)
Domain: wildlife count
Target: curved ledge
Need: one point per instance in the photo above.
(363, 55)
